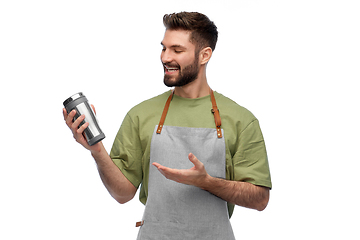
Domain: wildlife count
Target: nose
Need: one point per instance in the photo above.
(166, 56)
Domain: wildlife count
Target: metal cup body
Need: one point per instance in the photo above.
(80, 103)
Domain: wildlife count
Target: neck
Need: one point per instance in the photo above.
(196, 89)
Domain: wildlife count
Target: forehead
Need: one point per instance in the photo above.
(177, 38)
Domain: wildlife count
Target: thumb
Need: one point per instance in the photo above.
(92, 106)
(194, 160)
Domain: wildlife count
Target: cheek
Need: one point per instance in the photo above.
(187, 63)
(184, 61)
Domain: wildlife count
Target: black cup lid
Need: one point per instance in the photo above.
(73, 97)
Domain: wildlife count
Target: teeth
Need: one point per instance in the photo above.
(171, 69)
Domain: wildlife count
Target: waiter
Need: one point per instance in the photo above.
(195, 152)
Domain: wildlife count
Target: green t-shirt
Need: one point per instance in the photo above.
(246, 158)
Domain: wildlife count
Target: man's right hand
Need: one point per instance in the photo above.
(77, 132)
(120, 188)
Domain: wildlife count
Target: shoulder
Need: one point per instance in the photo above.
(230, 108)
(150, 105)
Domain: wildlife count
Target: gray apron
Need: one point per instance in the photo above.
(178, 211)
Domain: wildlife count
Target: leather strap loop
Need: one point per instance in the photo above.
(216, 113)
(139, 224)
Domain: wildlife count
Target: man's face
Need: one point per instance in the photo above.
(179, 58)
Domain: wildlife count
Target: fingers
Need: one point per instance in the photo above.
(74, 125)
(69, 117)
(65, 113)
(193, 176)
(192, 159)
(169, 173)
(161, 168)
(156, 165)
(81, 129)
(92, 106)
(77, 130)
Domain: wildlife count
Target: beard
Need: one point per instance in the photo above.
(186, 75)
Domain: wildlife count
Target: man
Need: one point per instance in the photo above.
(195, 152)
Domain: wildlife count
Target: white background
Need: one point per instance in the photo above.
(294, 64)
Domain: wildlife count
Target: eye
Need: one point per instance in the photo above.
(178, 51)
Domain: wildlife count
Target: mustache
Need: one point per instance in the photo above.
(171, 65)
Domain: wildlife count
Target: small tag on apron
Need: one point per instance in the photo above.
(139, 224)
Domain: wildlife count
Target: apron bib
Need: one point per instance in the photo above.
(178, 211)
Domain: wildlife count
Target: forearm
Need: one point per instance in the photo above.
(115, 182)
(239, 193)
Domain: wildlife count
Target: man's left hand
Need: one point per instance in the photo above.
(195, 176)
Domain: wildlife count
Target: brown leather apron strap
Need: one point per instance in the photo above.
(216, 113)
(214, 110)
(163, 116)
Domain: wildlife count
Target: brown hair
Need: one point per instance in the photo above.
(203, 31)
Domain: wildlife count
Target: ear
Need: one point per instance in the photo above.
(205, 55)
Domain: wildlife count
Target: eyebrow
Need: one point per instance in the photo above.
(175, 46)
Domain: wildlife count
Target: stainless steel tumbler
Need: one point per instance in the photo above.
(80, 103)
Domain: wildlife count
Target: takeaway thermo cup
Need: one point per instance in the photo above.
(80, 103)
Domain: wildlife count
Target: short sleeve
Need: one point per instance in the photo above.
(126, 151)
(250, 160)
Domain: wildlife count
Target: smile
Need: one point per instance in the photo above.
(171, 69)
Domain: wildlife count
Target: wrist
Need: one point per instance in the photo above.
(207, 182)
(97, 150)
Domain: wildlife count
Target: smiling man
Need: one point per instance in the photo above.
(194, 152)
(177, 75)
